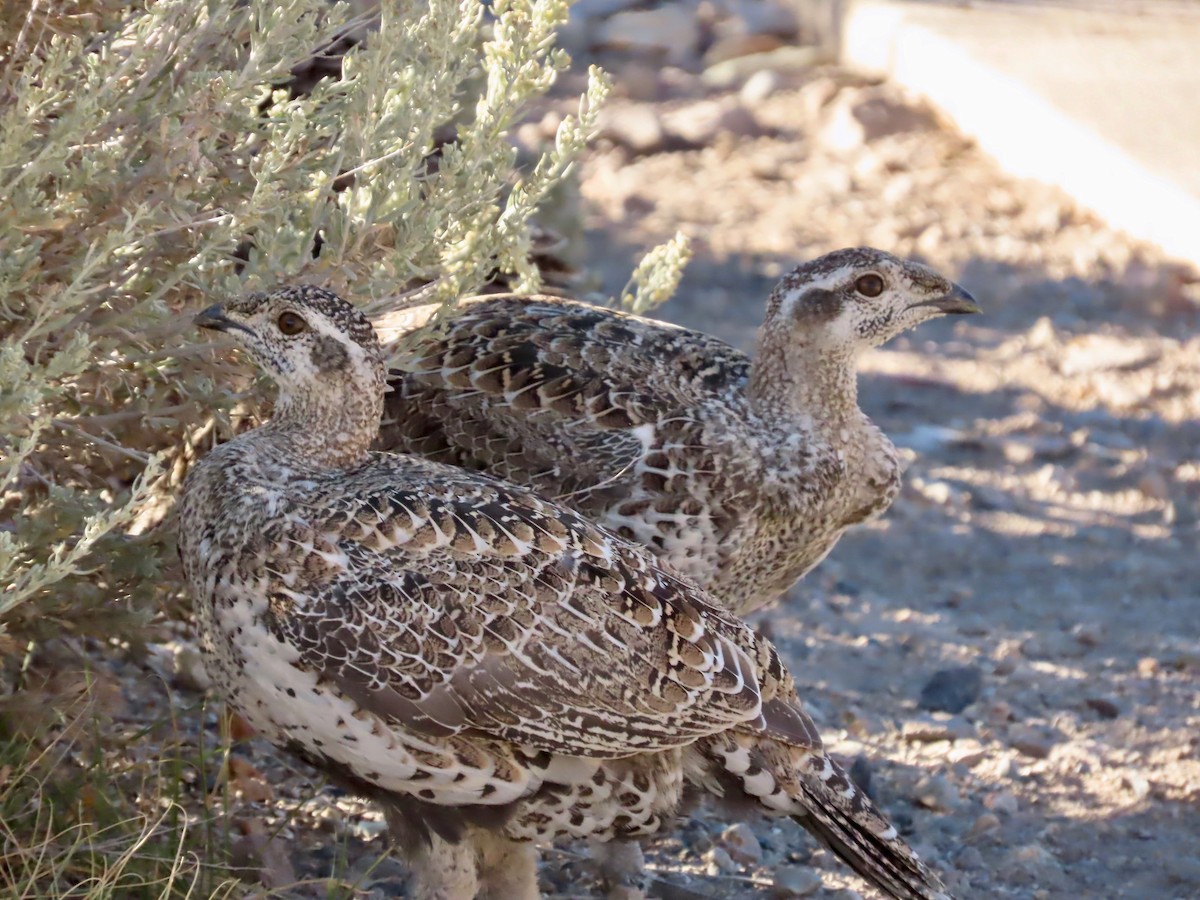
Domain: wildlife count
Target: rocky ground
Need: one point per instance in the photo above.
(1010, 658)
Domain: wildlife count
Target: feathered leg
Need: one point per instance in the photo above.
(507, 869)
(622, 869)
(441, 869)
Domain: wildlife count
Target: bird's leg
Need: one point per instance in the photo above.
(444, 871)
(507, 869)
(622, 869)
(440, 870)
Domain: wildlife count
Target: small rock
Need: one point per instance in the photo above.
(1154, 485)
(1183, 868)
(1137, 784)
(952, 690)
(857, 117)
(1101, 353)
(670, 32)
(1088, 634)
(939, 726)
(1042, 334)
(760, 86)
(741, 844)
(1103, 707)
(262, 856)
(795, 881)
(969, 859)
(936, 792)
(699, 123)
(929, 439)
(1031, 855)
(739, 46)
(718, 862)
(987, 822)
(190, 673)
(1029, 741)
(636, 127)
(786, 59)
(1002, 802)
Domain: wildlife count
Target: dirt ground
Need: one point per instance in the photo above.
(1044, 548)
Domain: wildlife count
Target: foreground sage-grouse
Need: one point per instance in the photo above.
(741, 475)
(491, 667)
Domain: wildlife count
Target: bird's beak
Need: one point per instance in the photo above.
(214, 317)
(957, 302)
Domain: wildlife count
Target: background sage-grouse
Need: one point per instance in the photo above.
(742, 475)
(491, 667)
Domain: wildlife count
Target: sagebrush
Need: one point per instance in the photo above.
(155, 157)
(176, 156)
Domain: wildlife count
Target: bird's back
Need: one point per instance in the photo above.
(642, 426)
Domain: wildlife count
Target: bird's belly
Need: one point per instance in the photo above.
(290, 705)
(620, 799)
(556, 796)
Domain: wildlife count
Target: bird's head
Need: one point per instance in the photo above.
(853, 299)
(303, 336)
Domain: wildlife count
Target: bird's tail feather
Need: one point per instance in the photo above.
(811, 788)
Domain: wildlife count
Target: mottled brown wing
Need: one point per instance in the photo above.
(559, 395)
(450, 604)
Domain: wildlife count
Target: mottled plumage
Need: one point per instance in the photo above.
(491, 667)
(741, 475)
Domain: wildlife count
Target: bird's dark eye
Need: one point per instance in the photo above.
(291, 324)
(869, 285)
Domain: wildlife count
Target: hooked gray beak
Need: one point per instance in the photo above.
(214, 317)
(957, 302)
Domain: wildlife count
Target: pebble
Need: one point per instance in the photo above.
(786, 59)
(795, 881)
(1137, 784)
(1042, 334)
(718, 862)
(699, 123)
(1183, 868)
(737, 46)
(938, 793)
(1103, 707)
(1003, 802)
(1029, 741)
(857, 117)
(760, 86)
(987, 822)
(636, 127)
(952, 690)
(968, 858)
(937, 726)
(741, 844)
(671, 32)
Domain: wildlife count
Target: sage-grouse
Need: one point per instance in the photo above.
(491, 667)
(742, 475)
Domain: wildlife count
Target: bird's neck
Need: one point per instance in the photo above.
(333, 430)
(806, 381)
